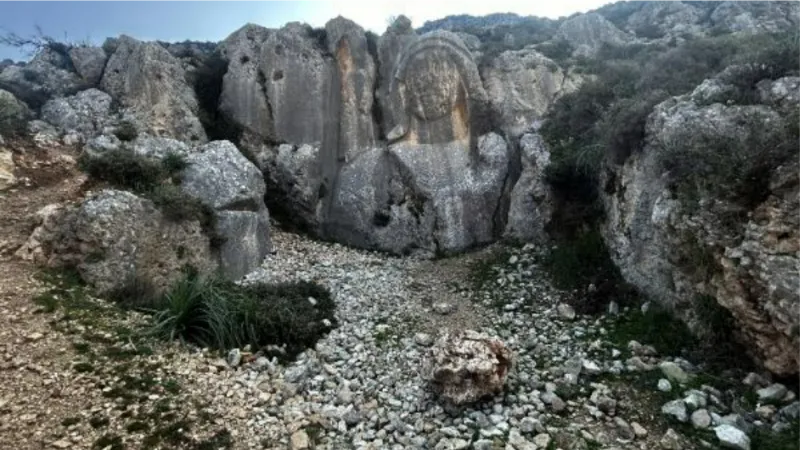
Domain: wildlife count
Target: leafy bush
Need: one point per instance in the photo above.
(726, 165)
(582, 261)
(604, 120)
(124, 169)
(126, 131)
(150, 178)
(224, 315)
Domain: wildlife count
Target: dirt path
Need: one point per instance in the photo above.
(36, 392)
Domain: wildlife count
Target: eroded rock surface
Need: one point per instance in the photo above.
(151, 85)
(468, 366)
(656, 237)
(111, 251)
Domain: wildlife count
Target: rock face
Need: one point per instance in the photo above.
(652, 233)
(531, 200)
(111, 251)
(85, 113)
(588, 32)
(89, 63)
(151, 85)
(438, 185)
(297, 76)
(243, 100)
(522, 85)
(468, 366)
(49, 74)
(220, 177)
(390, 46)
(13, 112)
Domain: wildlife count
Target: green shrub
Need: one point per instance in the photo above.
(126, 131)
(728, 166)
(178, 207)
(150, 178)
(224, 315)
(124, 169)
(582, 260)
(604, 121)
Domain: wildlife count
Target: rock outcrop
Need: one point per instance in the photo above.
(13, 113)
(243, 100)
(465, 367)
(115, 239)
(84, 114)
(220, 177)
(531, 200)
(89, 63)
(588, 32)
(521, 86)
(676, 253)
(49, 74)
(151, 86)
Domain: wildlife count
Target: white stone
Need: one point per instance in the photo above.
(732, 437)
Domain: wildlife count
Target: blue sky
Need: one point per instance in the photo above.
(213, 21)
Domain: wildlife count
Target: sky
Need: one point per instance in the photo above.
(213, 21)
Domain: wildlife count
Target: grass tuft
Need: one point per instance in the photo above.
(224, 315)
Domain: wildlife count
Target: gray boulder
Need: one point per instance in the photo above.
(151, 85)
(391, 45)
(425, 198)
(531, 199)
(220, 177)
(47, 75)
(651, 231)
(588, 32)
(89, 63)
(13, 113)
(243, 100)
(353, 97)
(522, 85)
(297, 79)
(85, 113)
(115, 238)
(293, 176)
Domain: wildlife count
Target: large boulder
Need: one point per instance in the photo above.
(13, 113)
(89, 62)
(243, 100)
(679, 249)
(220, 177)
(390, 47)
(86, 113)
(587, 33)
(49, 74)
(467, 366)
(522, 85)
(151, 85)
(297, 78)
(531, 199)
(420, 198)
(352, 97)
(116, 239)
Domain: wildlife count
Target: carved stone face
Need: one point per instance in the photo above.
(432, 83)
